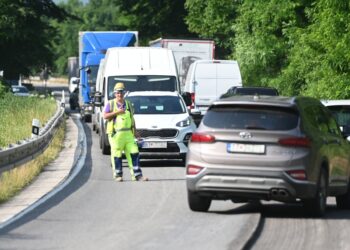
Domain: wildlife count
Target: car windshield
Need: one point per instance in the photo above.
(341, 114)
(157, 104)
(251, 117)
(19, 89)
(143, 83)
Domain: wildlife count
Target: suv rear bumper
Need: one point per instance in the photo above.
(280, 188)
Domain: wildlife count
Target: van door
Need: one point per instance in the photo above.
(204, 85)
(228, 75)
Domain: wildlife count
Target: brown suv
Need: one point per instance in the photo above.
(268, 148)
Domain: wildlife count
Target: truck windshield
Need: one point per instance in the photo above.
(143, 83)
(92, 76)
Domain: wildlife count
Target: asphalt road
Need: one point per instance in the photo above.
(95, 212)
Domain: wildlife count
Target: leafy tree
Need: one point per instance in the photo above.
(214, 19)
(261, 46)
(155, 18)
(25, 35)
(319, 62)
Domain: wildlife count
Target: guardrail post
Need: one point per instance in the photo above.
(63, 100)
(35, 128)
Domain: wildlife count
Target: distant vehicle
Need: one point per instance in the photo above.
(163, 123)
(19, 90)
(186, 51)
(250, 91)
(287, 149)
(341, 111)
(207, 80)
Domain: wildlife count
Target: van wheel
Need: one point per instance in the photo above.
(317, 205)
(343, 201)
(106, 150)
(198, 203)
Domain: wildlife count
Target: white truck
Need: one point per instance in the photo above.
(186, 52)
(140, 69)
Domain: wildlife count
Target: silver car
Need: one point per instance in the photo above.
(268, 148)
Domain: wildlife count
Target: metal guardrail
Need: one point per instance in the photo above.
(25, 150)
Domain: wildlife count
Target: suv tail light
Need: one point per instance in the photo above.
(193, 170)
(295, 142)
(202, 138)
(297, 174)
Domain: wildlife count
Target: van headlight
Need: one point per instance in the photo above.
(184, 123)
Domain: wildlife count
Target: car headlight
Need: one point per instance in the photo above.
(184, 123)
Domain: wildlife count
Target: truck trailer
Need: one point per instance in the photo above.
(92, 48)
(186, 52)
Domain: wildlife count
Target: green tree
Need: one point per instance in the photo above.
(319, 61)
(214, 19)
(25, 35)
(155, 18)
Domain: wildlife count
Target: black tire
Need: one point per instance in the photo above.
(316, 207)
(94, 127)
(198, 203)
(87, 118)
(106, 150)
(343, 201)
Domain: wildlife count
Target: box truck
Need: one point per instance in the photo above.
(186, 51)
(92, 48)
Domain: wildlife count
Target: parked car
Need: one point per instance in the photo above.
(341, 111)
(163, 123)
(19, 90)
(250, 91)
(286, 149)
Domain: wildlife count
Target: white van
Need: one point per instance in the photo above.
(140, 69)
(97, 116)
(207, 80)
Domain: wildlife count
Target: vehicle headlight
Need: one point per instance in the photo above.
(184, 123)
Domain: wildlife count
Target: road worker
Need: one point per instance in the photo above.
(121, 135)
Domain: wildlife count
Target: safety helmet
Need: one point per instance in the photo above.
(119, 86)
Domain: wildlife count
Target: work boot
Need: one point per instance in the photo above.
(118, 178)
(141, 178)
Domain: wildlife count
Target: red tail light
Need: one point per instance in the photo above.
(297, 174)
(192, 98)
(295, 142)
(202, 138)
(193, 170)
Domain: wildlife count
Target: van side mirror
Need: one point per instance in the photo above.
(98, 100)
(187, 98)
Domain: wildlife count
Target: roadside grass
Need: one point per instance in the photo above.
(17, 114)
(13, 181)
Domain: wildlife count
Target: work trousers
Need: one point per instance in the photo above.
(124, 141)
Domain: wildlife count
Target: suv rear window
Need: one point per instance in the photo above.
(251, 117)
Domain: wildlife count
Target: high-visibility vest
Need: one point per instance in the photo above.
(121, 122)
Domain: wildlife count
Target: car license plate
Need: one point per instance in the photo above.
(245, 148)
(154, 144)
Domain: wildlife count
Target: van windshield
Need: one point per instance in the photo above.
(143, 83)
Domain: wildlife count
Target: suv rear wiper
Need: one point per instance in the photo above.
(254, 127)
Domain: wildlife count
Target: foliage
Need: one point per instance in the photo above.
(17, 114)
(319, 60)
(25, 35)
(214, 19)
(155, 18)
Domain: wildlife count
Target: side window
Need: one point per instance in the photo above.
(332, 123)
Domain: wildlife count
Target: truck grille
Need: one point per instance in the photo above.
(162, 133)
